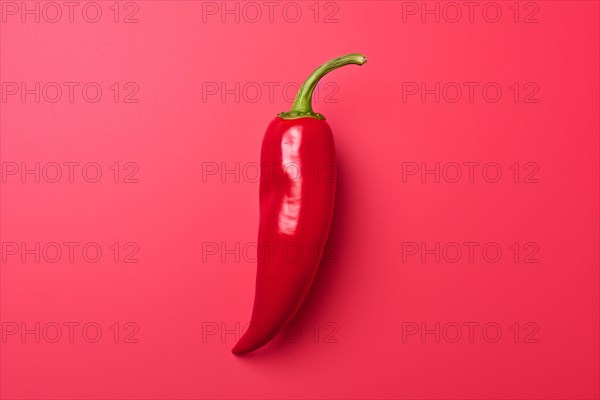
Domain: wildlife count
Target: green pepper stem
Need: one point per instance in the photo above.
(303, 103)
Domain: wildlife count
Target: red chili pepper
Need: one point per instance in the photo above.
(297, 191)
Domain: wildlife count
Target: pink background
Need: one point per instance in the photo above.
(354, 340)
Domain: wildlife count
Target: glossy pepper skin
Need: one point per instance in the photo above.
(296, 197)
